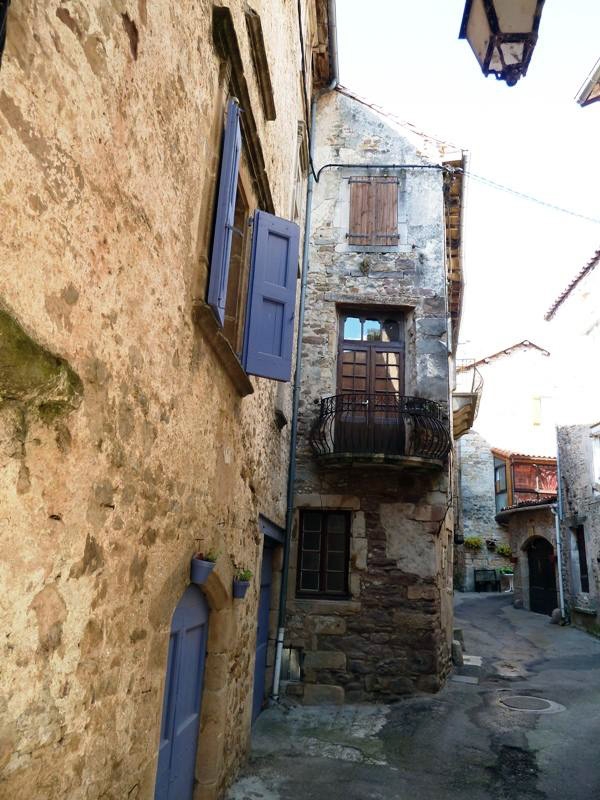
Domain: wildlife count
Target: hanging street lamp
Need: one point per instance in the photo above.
(502, 34)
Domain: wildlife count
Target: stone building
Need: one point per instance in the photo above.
(507, 460)
(575, 326)
(142, 408)
(370, 584)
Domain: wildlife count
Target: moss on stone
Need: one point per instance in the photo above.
(31, 375)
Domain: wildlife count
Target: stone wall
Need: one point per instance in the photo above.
(478, 510)
(392, 635)
(125, 444)
(581, 506)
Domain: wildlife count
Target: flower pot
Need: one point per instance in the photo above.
(200, 570)
(240, 588)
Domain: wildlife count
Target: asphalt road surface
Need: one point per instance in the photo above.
(463, 742)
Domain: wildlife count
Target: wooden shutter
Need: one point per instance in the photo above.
(360, 231)
(524, 476)
(269, 333)
(373, 212)
(385, 192)
(224, 217)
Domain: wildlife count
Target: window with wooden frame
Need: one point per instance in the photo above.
(237, 280)
(323, 554)
(500, 484)
(373, 211)
(252, 281)
(584, 580)
(371, 352)
(595, 435)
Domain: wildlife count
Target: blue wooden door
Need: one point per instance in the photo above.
(182, 698)
(262, 633)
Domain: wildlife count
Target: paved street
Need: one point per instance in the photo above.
(460, 743)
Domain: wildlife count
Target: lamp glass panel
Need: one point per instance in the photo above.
(496, 64)
(478, 31)
(513, 52)
(515, 16)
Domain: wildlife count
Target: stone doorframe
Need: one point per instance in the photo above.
(222, 626)
(524, 566)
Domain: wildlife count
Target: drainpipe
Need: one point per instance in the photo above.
(289, 518)
(557, 510)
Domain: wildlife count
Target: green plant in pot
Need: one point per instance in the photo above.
(202, 565)
(504, 550)
(473, 542)
(241, 582)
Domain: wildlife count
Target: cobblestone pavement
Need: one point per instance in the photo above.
(461, 743)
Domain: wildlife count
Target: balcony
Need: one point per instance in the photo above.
(466, 397)
(380, 429)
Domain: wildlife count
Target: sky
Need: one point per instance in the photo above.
(533, 137)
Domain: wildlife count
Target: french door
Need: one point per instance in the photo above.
(370, 382)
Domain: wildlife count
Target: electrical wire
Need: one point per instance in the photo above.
(522, 195)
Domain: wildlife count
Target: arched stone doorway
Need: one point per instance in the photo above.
(219, 645)
(542, 577)
(182, 699)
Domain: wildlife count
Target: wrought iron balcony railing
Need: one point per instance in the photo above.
(380, 427)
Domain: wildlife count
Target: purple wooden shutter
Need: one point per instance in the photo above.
(269, 333)
(224, 217)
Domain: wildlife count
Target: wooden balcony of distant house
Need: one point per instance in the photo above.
(466, 397)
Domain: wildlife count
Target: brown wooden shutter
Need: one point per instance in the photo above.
(360, 231)
(386, 205)
(373, 211)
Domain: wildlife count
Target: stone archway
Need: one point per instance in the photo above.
(221, 635)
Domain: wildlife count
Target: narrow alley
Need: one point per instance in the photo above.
(461, 743)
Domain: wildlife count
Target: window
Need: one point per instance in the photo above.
(323, 553)
(500, 484)
(237, 281)
(371, 353)
(373, 212)
(537, 411)
(579, 534)
(252, 283)
(596, 453)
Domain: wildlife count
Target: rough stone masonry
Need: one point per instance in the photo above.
(391, 635)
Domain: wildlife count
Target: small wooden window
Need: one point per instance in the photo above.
(237, 282)
(323, 554)
(373, 212)
(581, 550)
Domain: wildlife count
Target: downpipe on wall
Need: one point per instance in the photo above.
(289, 518)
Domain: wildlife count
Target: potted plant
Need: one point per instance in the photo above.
(506, 578)
(241, 582)
(473, 542)
(504, 550)
(202, 565)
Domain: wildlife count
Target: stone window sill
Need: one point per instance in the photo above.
(590, 612)
(213, 334)
(324, 605)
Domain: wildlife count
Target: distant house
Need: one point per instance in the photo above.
(506, 488)
(575, 323)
